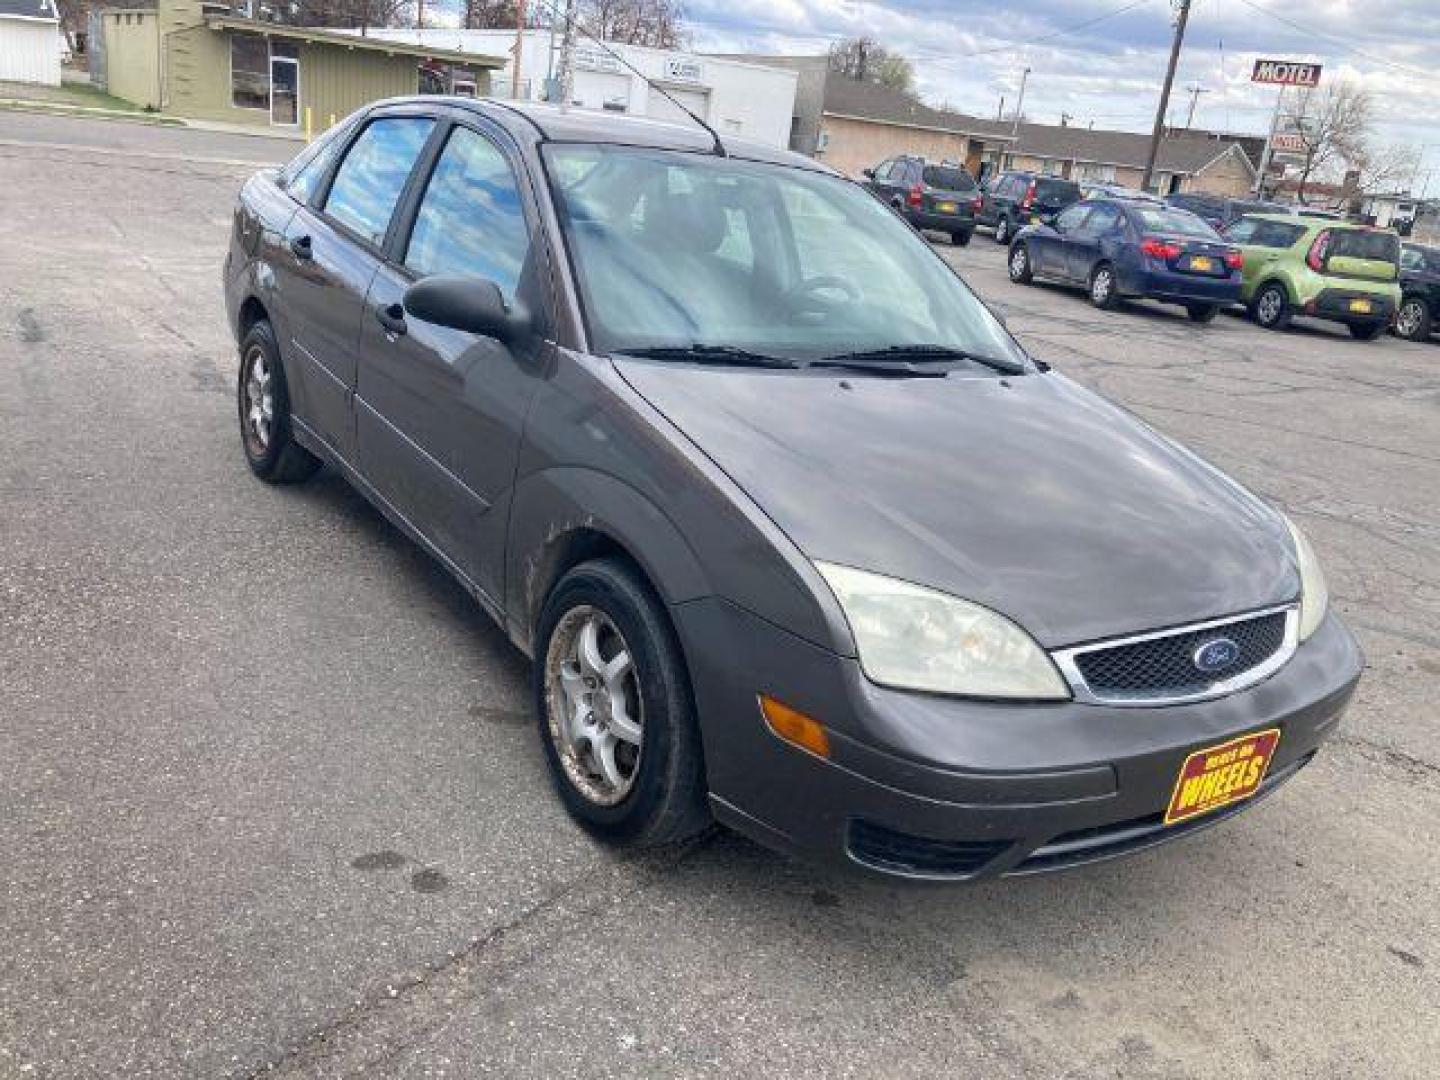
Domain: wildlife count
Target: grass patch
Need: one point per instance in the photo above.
(78, 95)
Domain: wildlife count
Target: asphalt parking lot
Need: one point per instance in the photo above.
(270, 800)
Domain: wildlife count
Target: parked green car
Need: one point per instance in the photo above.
(1322, 269)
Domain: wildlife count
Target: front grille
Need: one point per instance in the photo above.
(900, 853)
(1165, 666)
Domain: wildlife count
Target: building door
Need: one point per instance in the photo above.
(659, 107)
(284, 91)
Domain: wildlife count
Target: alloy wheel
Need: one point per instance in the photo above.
(594, 709)
(1101, 286)
(1268, 309)
(1019, 263)
(259, 400)
(1407, 323)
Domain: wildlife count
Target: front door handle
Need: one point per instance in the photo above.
(392, 318)
(300, 246)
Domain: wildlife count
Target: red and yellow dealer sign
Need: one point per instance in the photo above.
(1221, 775)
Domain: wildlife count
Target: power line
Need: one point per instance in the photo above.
(1054, 33)
(1344, 45)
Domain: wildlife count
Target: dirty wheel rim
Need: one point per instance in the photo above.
(1408, 321)
(259, 400)
(1002, 231)
(1100, 287)
(594, 712)
(1269, 307)
(1018, 261)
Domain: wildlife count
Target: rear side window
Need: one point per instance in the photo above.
(470, 221)
(370, 180)
(1358, 244)
(947, 178)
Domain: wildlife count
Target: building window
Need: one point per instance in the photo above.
(249, 72)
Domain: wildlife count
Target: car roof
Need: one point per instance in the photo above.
(566, 124)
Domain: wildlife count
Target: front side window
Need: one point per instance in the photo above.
(1070, 220)
(471, 220)
(678, 249)
(370, 179)
(249, 72)
(1101, 220)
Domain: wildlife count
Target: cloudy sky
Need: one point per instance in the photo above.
(968, 53)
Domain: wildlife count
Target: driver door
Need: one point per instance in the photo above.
(1048, 242)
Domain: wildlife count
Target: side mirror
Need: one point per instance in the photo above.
(472, 304)
(869, 174)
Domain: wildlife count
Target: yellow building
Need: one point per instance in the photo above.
(193, 59)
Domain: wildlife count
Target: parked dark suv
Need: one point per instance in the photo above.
(942, 197)
(1420, 292)
(797, 536)
(1217, 211)
(1013, 200)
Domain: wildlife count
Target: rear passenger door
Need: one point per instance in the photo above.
(440, 411)
(331, 250)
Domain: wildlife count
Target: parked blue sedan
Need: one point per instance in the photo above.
(1120, 248)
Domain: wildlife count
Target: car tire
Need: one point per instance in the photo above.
(1002, 230)
(961, 238)
(1104, 293)
(1202, 313)
(621, 739)
(1366, 331)
(1414, 321)
(1271, 308)
(263, 399)
(1021, 272)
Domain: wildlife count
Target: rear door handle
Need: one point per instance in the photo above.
(301, 247)
(392, 318)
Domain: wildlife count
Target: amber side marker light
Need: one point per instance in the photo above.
(795, 727)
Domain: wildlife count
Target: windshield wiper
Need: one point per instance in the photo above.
(904, 357)
(700, 353)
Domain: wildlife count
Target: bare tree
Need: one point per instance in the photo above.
(659, 24)
(866, 60)
(1332, 128)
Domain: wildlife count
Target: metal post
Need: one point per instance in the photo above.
(1020, 104)
(1269, 143)
(1155, 135)
(567, 55)
(519, 48)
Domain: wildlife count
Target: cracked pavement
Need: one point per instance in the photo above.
(271, 803)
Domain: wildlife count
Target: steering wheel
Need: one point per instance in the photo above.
(804, 294)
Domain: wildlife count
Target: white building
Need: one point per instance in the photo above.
(732, 96)
(30, 42)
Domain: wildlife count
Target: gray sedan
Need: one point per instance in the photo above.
(798, 537)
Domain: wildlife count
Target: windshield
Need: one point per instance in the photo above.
(677, 249)
(1175, 222)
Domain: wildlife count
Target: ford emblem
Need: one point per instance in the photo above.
(1216, 655)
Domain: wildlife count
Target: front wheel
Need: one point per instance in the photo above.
(615, 712)
(1202, 313)
(1021, 272)
(1002, 231)
(1271, 308)
(1414, 320)
(1366, 331)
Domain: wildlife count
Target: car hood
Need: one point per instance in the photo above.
(1029, 495)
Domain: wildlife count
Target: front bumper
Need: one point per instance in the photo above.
(928, 787)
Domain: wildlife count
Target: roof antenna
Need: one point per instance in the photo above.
(718, 149)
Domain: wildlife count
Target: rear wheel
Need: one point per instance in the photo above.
(1003, 229)
(1202, 313)
(616, 717)
(263, 398)
(1021, 271)
(1366, 331)
(1102, 287)
(961, 237)
(1271, 308)
(1414, 320)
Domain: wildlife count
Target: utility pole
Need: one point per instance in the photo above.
(519, 49)
(1000, 112)
(1020, 103)
(567, 55)
(1065, 119)
(1195, 91)
(419, 17)
(1165, 95)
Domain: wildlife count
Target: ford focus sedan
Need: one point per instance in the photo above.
(797, 536)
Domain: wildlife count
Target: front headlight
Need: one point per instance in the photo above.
(1314, 596)
(914, 638)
